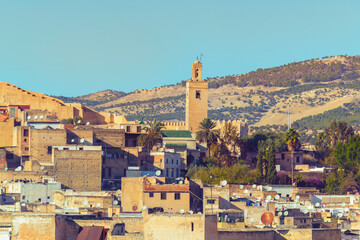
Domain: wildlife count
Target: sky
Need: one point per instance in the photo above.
(73, 48)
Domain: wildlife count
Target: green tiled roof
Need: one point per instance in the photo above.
(176, 145)
(177, 133)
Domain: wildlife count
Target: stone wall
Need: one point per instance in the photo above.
(33, 226)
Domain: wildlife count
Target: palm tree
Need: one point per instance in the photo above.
(152, 135)
(207, 133)
(292, 139)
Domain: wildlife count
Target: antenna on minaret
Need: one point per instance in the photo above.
(201, 56)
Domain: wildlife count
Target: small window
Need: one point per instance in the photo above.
(127, 128)
(49, 148)
(10, 156)
(26, 132)
(210, 201)
(138, 129)
(172, 172)
(126, 143)
(167, 160)
(25, 139)
(23, 197)
(282, 156)
(151, 195)
(172, 161)
(167, 172)
(198, 94)
(163, 196)
(134, 143)
(297, 159)
(192, 226)
(177, 196)
(177, 162)
(26, 149)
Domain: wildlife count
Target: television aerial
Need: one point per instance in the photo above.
(19, 168)
(191, 212)
(254, 186)
(79, 121)
(223, 183)
(85, 203)
(98, 205)
(35, 117)
(277, 197)
(286, 213)
(343, 204)
(252, 220)
(268, 197)
(158, 173)
(181, 182)
(297, 197)
(41, 117)
(241, 186)
(317, 204)
(87, 123)
(353, 214)
(182, 211)
(340, 215)
(143, 208)
(115, 202)
(28, 117)
(280, 213)
(270, 188)
(82, 140)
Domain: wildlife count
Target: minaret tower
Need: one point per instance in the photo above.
(196, 98)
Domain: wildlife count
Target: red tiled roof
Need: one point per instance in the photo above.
(166, 188)
(91, 233)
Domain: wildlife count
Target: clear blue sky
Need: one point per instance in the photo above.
(72, 48)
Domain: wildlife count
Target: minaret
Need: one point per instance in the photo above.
(196, 98)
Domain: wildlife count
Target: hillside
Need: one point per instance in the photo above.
(262, 96)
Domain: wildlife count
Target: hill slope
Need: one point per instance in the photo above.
(262, 96)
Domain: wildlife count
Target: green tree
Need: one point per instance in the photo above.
(292, 139)
(152, 135)
(207, 133)
(271, 175)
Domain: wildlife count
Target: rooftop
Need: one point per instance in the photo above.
(176, 133)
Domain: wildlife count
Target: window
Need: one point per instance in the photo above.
(10, 156)
(134, 143)
(163, 196)
(151, 195)
(127, 128)
(167, 172)
(25, 139)
(177, 172)
(172, 161)
(138, 129)
(177, 196)
(192, 226)
(210, 201)
(172, 172)
(297, 159)
(126, 143)
(197, 94)
(26, 132)
(282, 156)
(167, 160)
(49, 150)
(26, 149)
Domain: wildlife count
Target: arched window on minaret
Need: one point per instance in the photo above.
(196, 73)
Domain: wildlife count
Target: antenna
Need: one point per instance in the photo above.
(223, 183)
(254, 186)
(270, 188)
(19, 168)
(267, 218)
(297, 197)
(85, 203)
(241, 186)
(268, 197)
(65, 204)
(82, 140)
(201, 55)
(252, 220)
(41, 116)
(98, 205)
(35, 117)
(87, 123)
(79, 121)
(28, 117)
(143, 208)
(115, 202)
(317, 204)
(280, 213)
(158, 173)
(181, 182)
(5, 181)
(343, 204)
(191, 212)
(182, 211)
(340, 215)
(286, 213)
(277, 197)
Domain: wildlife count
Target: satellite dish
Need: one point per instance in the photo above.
(181, 182)
(35, 117)
(260, 222)
(223, 183)
(38, 209)
(28, 117)
(267, 218)
(199, 213)
(268, 197)
(340, 215)
(72, 140)
(41, 116)
(191, 212)
(87, 123)
(158, 173)
(79, 121)
(346, 214)
(85, 203)
(182, 211)
(5, 181)
(118, 192)
(143, 208)
(19, 168)
(115, 202)
(270, 188)
(254, 186)
(306, 211)
(6, 169)
(252, 220)
(241, 186)
(98, 205)
(353, 214)
(346, 209)
(82, 140)
(246, 191)
(286, 213)
(317, 204)
(280, 213)
(277, 197)
(297, 197)
(343, 204)
(65, 204)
